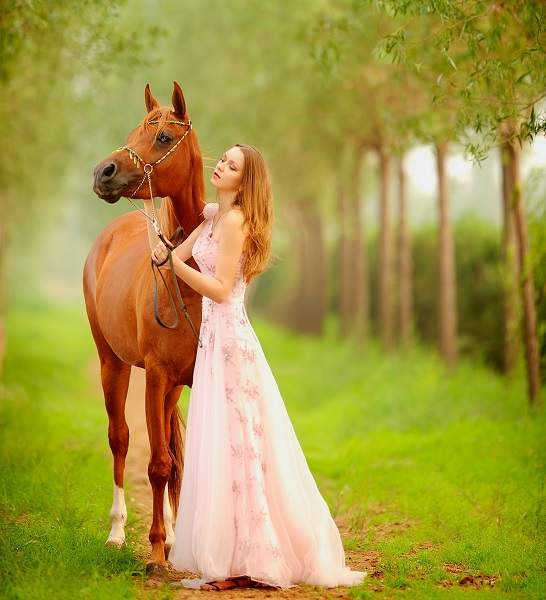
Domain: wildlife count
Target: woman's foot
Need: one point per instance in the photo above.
(229, 583)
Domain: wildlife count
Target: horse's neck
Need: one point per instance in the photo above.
(187, 206)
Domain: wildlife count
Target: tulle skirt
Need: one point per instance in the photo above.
(249, 504)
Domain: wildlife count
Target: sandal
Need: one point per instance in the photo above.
(238, 581)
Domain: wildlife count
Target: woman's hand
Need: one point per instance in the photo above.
(159, 253)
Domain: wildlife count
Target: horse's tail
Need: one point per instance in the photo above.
(176, 450)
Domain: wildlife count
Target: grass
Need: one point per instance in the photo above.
(55, 488)
(416, 455)
(440, 475)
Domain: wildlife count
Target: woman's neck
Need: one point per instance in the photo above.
(225, 200)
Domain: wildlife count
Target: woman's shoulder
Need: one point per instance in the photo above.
(236, 218)
(234, 215)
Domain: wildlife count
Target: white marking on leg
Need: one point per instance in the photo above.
(118, 516)
(168, 518)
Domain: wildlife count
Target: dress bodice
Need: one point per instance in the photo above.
(205, 252)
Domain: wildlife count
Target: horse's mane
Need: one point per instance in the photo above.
(167, 218)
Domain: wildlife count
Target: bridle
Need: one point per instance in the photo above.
(148, 169)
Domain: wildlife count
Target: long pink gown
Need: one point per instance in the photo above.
(249, 504)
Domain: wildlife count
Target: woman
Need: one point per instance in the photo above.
(250, 512)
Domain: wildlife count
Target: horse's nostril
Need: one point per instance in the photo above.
(109, 171)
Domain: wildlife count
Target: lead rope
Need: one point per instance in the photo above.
(148, 169)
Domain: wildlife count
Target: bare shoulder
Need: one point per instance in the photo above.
(235, 220)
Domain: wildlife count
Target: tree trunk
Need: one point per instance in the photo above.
(529, 324)
(344, 258)
(405, 263)
(303, 309)
(3, 301)
(510, 268)
(447, 293)
(385, 266)
(311, 298)
(358, 264)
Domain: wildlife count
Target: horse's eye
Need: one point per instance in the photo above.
(164, 138)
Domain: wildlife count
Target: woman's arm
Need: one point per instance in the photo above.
(217, 287)
(183, 250)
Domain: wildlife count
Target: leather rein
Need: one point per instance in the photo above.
(148, 169)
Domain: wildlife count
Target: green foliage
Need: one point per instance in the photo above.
(479, 289)
(469, 68)
(370, 95)
(491, 57)
(53, 57)
(479, 285)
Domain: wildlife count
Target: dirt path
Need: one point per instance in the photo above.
(139, 504)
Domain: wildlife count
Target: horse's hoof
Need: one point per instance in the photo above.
(116, 542)
(154, 569)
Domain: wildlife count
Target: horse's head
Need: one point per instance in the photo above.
(164, 140)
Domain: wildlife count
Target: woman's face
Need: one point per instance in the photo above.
(229, 170)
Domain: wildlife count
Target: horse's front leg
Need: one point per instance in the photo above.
(115, 376)
(159, 467)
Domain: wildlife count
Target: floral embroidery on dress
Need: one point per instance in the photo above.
(240, 415)
(248, 354)
(251, 389)
(274, 550)
(237, 451)
(228, 351)
(253, 453)
(258, 428)
(258, 517)
(230, 393)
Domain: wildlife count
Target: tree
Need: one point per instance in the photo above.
(494, 64)
(405, 262)
(51, 55)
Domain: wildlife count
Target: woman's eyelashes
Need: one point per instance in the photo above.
(230, 166)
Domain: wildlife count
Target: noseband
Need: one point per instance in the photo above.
(148, 169)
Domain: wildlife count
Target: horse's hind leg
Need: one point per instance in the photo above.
(175, 440)
(115, 376)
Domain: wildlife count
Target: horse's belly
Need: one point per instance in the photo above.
(117, 320)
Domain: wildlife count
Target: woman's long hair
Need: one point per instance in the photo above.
(256, 201)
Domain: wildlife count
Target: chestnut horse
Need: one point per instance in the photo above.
(118, 290)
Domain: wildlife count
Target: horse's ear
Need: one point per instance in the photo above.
(150, 101)
(179, 104)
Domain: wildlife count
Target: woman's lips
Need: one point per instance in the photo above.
(215, 174)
